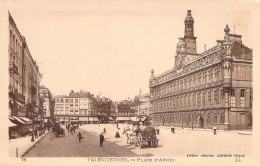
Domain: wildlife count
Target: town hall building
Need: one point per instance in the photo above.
(205, 89)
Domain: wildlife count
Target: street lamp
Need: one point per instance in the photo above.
(192, 121)
(182, 121)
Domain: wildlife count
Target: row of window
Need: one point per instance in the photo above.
(191, 100)
(62, 100)
(71, 112)
(187, 82)
(242, 98)
(211, 118)
(15, 44)
(125, 113)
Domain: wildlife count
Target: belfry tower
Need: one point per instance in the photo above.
(189, 38)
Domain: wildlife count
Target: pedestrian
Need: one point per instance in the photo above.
(74, 129)
(117, 134)
(101, 140)
(71, 130)
(104, 130)
(68, 127)
(79, 136)
(32, 139)
(35, 133)
(172, 128)
(158, 130)
(215, 129)
(117, 125)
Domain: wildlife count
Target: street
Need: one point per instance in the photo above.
(184, 141)
(68, 146)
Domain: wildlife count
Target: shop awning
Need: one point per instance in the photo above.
(19, 103)
(93, 119)
(18, 120)
(143, 119)
(110, 118)
(11, 124)
(123, 119)
(11, 118)
(26, 120)
(83, 118)
(135, 119)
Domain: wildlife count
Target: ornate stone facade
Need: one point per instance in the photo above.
(207, 89)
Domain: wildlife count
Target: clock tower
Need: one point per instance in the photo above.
(189, 38)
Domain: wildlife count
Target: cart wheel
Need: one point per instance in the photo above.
(155, 143)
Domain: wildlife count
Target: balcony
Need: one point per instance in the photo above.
(15, 94)
(13, 67)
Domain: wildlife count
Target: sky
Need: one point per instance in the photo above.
(110, 47)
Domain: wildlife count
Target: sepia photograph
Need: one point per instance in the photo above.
(129, 82)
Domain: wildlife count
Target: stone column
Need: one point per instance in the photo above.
(227, 108)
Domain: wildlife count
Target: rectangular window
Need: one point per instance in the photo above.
(198, 99)
(66, 100)
(203, 99)
(67, 112)
(233, 99)
(242, 98)
(216, 96)
(242, 93)
(216, 76)
(209, 96)
(61, 100)
(76, 100)
(71, 100)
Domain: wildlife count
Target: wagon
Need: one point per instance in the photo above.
(146, 135)
(60, 131)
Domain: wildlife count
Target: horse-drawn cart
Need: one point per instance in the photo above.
(58, 131)
(146, 135)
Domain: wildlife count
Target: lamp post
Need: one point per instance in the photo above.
(192, 121)
(182, 121)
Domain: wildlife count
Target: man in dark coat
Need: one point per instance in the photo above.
(101, 139)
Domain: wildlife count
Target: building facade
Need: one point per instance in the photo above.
(126, 108)
(24, 77)
(46, 96)
(206, 89)
(76, 107)
(142, 104)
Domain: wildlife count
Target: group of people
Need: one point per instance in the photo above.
(37, 132)
(71, 129)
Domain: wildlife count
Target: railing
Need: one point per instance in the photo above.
(17, 95)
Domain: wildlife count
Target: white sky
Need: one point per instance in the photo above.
(111, 46)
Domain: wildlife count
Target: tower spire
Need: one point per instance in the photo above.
(190, 40)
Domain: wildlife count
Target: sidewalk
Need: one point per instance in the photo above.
(22, 145)
(245, 131)
(182, 142)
